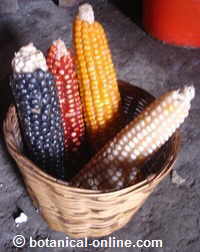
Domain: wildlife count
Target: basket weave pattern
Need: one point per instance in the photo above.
(89, 213)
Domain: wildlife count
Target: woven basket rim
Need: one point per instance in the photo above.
(93, 193)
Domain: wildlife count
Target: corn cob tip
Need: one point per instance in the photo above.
(28, 59)
(61, 49)
(187, 93)
(86, 13)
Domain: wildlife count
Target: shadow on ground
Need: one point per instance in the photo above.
(132, 9)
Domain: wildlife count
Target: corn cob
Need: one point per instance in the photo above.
(33, 88)
(61, 65)
(116, 165)
(98, 84)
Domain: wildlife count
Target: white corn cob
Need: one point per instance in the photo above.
(144, 135)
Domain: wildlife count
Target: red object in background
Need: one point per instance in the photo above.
(173, 21)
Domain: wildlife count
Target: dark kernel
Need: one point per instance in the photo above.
(40, 117)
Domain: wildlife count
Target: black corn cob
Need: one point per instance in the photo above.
(34, 91)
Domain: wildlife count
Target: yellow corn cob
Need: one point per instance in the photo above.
(98, 84)
(116, 165)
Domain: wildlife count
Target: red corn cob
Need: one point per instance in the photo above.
(60, 63)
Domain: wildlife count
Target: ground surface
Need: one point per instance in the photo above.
(172, 213)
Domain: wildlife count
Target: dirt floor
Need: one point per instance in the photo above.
(172, 212)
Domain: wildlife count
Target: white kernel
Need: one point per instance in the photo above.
(148, 129)
(121, 142)
(161, 117)
(182, 120)
(168, 100)
(129, 134)
(120, 158)
(120, 183)
(153, 113)
(143, 144)
(140, 149)
(162, 140)
(119, 148)
(131, 144)
(115, 153)
(175, 95)
(136, 152)
(140, 136)
(159, 109)
(133, 131)
(164, 104)
(154, 146)
(153, 134)
(111, 144)
(135, 140)
(118, 173)
(110, 157)
(148, 118)
(142, 123)
(156, 121)
(149, 150)
(127, 148)
(158, 143)
(153, 126)
(166, 112)
(137, 127)
(109, 150)
(124, 153)
(148, 139)
(167, 137)
(125, 139)
(133, 156)
(131, 177)
(144, 132)
(176, 103)
(145, 153)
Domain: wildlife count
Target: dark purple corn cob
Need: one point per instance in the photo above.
(39, 116)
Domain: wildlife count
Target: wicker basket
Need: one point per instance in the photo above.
(86, 213)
